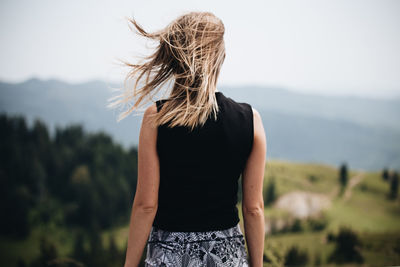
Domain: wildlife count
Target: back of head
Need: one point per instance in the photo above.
(190, 52)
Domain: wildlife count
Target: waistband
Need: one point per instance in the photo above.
(161, 236)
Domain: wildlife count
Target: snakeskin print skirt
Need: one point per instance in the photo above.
(225, 248)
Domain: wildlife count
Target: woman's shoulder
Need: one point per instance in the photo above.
(149, 114)
(256, 114)
(152, 109)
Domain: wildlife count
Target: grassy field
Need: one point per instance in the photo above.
(366, 210)
(364, 207)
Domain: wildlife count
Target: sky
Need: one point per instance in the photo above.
(336, 47)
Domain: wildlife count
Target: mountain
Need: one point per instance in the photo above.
(59, 104)
(364, 111)
(362, 132)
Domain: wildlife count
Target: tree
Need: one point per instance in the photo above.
(270, 194)
(346, 249)
(343, 176)
(16, 181)
(394, 186)
(113, 251)
(296, 226)
(97, 254)
(296, 257)
(79, 252)
(385, 174)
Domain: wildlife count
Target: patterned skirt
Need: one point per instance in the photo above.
(180, 249)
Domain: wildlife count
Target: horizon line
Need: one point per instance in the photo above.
(395, 97)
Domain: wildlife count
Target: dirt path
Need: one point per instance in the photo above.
(355, 180)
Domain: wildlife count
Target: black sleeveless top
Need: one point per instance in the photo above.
(200, 170)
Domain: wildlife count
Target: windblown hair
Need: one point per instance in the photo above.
(190, 53)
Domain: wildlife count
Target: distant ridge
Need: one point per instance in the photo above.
(363, 132)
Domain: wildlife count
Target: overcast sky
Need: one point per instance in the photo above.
(335, 47)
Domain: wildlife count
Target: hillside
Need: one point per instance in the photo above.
(365, 133)
(363, 206)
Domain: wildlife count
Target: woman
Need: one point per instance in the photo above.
(193, 147)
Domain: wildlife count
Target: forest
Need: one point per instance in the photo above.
(66, 201)
(76, 180)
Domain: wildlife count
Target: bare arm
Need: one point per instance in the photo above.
(145, 204)
(253, 202)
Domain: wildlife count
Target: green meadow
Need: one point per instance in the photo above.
(363, 206)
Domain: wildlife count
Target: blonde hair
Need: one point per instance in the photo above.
(190, 52)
